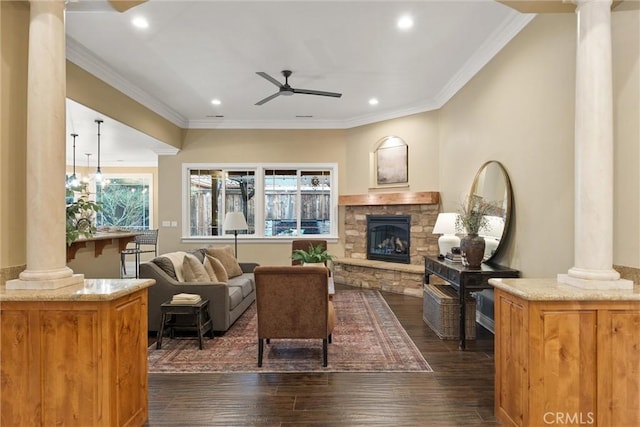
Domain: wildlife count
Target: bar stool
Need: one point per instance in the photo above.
(146, 238)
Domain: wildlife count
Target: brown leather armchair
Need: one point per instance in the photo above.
(293, 303)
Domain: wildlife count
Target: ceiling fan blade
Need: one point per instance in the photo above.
(317, 92)
(123, 5)
(268, 77)
(268, 98)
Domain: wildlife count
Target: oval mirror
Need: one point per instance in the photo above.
(492, 185)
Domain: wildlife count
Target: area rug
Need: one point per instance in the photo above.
(367, 338)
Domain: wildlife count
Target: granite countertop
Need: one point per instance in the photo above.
(91, 290)
(551, 290)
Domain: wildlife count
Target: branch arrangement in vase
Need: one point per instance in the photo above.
(473, 215)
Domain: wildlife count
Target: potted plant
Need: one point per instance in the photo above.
(472, 217)
(80, 219)
(313, 255)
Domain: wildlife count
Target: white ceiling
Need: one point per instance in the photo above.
(120, 145)
(195, 51)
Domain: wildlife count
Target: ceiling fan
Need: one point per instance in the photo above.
(285, 89)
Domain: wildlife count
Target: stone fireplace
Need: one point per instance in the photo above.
(356, 270)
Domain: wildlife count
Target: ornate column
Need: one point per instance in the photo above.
(593, 238)
(46, 122)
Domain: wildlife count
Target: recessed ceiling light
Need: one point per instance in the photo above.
(373, 101)
(216, 102)
(405, 22)
(140, 22)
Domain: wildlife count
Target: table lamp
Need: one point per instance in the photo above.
(446, 225)
(235, 221)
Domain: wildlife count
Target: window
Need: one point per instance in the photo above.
(297, 202)
(277, 201)
(214, 192)
(126, 201)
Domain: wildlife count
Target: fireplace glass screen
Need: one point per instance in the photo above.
(388, 238)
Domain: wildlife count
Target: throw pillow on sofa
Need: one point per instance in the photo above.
(194, 270)
(177, 258)
(219, 273)
(165, 265)
(228, 260)
(210, 271)
(198, 253)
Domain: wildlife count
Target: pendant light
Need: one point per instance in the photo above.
(74, 178)
(98, 171)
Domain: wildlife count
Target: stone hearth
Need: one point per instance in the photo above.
(385, 276)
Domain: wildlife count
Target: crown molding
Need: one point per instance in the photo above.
(265, 124)
(86, 60)
(367, 119)
(129, 164)
(221, 123)
(481, 57)
(165, 151)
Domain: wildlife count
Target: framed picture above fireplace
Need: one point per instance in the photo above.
(389, 162)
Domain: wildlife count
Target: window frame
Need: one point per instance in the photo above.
(259, 169)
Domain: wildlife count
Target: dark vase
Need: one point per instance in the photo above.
(472, 248)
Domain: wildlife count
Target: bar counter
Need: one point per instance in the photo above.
(75, 356)
(100, 240)
(565, 350)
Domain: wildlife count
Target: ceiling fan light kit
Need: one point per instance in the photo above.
(286, 90)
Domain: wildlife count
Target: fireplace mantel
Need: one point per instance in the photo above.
(380, 199)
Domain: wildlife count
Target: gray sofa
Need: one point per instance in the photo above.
(227, 301)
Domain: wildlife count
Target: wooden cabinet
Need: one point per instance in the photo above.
(74, 363)
(567, 362)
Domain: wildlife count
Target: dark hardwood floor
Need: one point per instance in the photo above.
(458, 393)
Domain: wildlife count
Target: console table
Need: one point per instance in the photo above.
(465, 280)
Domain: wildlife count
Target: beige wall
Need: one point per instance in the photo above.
(348, 148)
(244, 146)
(626, 109)
(14, 31)
(419, 131)
(519, 110)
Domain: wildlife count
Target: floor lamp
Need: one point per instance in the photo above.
(235, 221)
